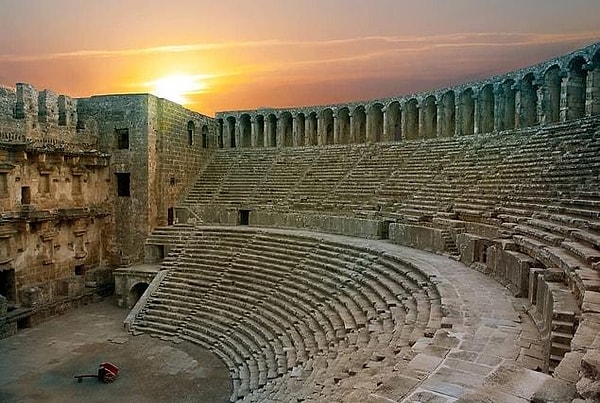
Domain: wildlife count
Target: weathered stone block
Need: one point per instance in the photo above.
(415, 236)
(472, 248)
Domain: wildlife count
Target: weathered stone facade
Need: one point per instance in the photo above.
(82, 183)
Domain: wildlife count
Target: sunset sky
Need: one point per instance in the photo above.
(243, 54)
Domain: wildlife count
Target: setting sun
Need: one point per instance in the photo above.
(175, 87)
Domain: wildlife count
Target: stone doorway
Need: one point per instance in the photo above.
(136, 293)
(25, 195)
(170, 216)
(7, 284)
(244, 218)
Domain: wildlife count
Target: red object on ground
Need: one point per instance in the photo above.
(107, 372)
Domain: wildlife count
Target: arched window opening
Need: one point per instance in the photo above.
(552, 87)
(528, 115)
(412, 119)
(312, 129)
(506, 109)
(447, 111)
(259, 121)
(375, 129)
(467, 112)
(271, 130)
(231, 132)
(359, 125)
(300, 134)
(191, 128)
(576, 89)
(486, 109)
(429, 128)
(245, 131)
(394, 121)
(135, 293)
(343, 122)
(286, 126)
(326, 125)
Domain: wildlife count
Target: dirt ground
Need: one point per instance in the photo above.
(39, 364)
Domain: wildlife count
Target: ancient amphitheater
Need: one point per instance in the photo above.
(433, 247)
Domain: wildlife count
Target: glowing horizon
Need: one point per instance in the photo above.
(240, 61)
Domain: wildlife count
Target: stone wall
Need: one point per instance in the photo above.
(559, 89)
(343, 225)
(183, 144)
(157, 148)
(425, 238)
(54, 204)
(123, 130)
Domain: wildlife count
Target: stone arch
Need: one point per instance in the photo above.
(552, 87)
(230, 131)
(285, 127)
(593, 87)
(575, 89)
(311, 129)
(300, 134)
(343, 122)
(271, 130)
(394, 121)
(359, 125)
(467, 112)
(136, 292)
(245, 131)
(259, 122)
(486, 109)
(375, 121)
(528, 115)
(429, 117)
(191, 130)
(447, 115)
(506, 105)
(411, 122)
(326, 126)
(204, 136)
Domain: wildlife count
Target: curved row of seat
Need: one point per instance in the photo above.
(286, 310)
(412, 179)
(532, 191)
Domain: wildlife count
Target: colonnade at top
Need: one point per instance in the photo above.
(561, 89)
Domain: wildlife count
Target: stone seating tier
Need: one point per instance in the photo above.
(277, 303)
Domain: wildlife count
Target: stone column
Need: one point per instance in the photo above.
(476, 114)
(499, 108)
(352, 128)
(440, 124)
(541, 99)
(320, 133)
(280, 133)
(267, 133)
(253, 131)
(564, 85)
(370, 135)
(385, 136)
(238, 134)
(518, 109)
(421, 120)
(458, 117)
(336, 130)
(592, 99)
(294, 131)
